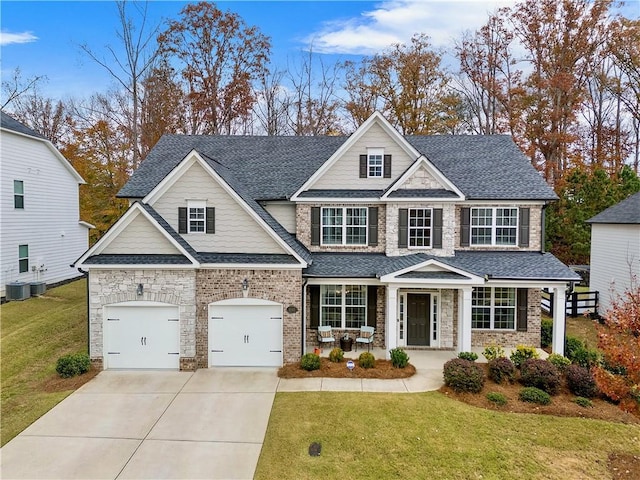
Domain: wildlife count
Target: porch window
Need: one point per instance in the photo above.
(493, 308)
(343, 306)
(494, 226)
(420, 227)
(344, 226)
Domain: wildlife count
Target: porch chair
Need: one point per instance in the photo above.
(325, 336)
(366, 336)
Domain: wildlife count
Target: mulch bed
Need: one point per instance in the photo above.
(624, 466)
(57, 384)
(383, 369)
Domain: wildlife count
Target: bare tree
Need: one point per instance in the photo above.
(273, 102)
(16, 87)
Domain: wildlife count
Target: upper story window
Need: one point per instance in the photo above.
(344, 226)
(343, 306)
(420, 227)
(493, 308)
(23, 258)
(494, 226)
(374, 162)
(197, 216)
(18, 194)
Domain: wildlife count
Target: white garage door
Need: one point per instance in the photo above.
(142, 337)
(245, 335)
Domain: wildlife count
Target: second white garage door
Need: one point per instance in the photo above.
(246, 334)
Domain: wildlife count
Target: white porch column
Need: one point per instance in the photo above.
(557, 342)
(464, 319)
(391, 327)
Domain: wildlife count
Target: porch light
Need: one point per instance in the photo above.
(245, 285)
(140, 289)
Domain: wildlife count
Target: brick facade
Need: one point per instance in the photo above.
(281, 286)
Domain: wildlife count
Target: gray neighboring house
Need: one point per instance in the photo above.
(615, 250)
(235, 249)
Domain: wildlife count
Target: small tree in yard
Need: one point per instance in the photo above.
(619, 339)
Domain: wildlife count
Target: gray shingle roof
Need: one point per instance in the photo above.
(495, 265)
(423, 193)
(12, 124)
(434, 275)
(122, 259)
(341, 194)
(627, 211)
(254, 258)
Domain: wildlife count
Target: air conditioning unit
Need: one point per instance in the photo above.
(18, 291)
(38, 288)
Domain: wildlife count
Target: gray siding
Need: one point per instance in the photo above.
(236, 230)
(140, 236)
(284, 213)
(344, 174)
(615, 257)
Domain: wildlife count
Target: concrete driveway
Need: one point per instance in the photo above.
(125, 425)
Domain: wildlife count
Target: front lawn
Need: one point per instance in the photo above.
(33, 334)
(427, 435)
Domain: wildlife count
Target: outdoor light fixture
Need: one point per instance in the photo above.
(140, 289)
(245, 285)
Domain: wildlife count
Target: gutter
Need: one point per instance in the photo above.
(86, 274)
(304, 317)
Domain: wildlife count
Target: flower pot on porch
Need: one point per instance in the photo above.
(346, 344)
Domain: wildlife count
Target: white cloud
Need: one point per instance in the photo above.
(396, 21)
(8, 38)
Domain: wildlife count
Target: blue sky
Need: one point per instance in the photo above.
(43, 38)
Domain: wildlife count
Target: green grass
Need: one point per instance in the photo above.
(372, 436)
(33, 334)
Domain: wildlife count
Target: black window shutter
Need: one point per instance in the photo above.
(387, 166)
(522, 310)
(465, 226)
(372, 305)
(437, 228)
(314, 314)
(373, 226)
(363, 166)
(403, 226)
(182, 219)
(211, 220)
(315, 225)
(524, 227)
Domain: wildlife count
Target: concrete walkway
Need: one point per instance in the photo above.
(159, 424)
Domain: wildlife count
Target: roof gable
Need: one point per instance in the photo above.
(128, 240)
(432, 269)
(423, 179)
(625, 212)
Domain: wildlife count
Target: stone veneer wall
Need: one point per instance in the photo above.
(379, 340)
(510, 339)
(282, 286)
(535, 230)
(303, 228)
(176, 287)
(447, 319)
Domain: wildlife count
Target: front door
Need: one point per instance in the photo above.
(418, 318)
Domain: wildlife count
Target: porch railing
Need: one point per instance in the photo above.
(576, 303)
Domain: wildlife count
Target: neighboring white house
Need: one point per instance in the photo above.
(615, 250)
(41, 233)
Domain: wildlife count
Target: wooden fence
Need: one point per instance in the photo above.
(576, 303)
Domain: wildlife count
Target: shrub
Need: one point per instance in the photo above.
(583, 402)
(366, 360)
(571, 345)
(586, 357)
(399, 357)
(560, 362)
(310, 361)
(534, 395)
(463, 375)
(491, 352)
(472, 357)
(523, 353)
(497, 398)
(581, 382)
(540, 374)
(336, 355)
(501, 369)
(546, 332)
(73, 364)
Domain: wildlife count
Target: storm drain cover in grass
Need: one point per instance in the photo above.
(314, 449)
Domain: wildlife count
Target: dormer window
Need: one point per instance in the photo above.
(374, 162)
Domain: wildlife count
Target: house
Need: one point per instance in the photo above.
(615, 250)
(41, 234)
(235, 249)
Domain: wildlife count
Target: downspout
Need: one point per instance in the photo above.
(86, 274)
(304, 316)
(543, 229)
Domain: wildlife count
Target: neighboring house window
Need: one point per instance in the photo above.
(494, 226)
(197, 216)
(420, 227)
(493, 308)
(23, 258)
(344, 226)
(343, 306)
(18, 194)
(374, 162)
